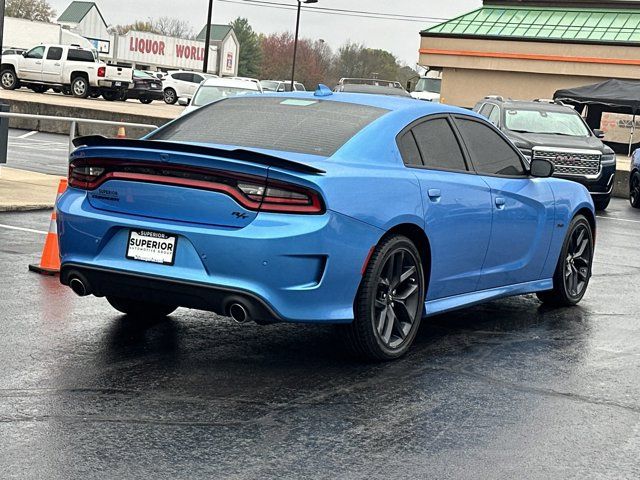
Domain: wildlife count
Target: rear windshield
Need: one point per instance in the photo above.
(312, 126)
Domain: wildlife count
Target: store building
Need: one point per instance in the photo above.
(83, 23)
(529, 49)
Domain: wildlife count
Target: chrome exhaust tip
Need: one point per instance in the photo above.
(239, 313)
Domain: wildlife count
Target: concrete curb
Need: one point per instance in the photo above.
(25, 208)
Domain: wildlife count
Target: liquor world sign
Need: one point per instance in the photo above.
(170, 52)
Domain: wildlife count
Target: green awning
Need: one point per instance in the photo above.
(543, 23)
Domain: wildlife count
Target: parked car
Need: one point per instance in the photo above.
(146, 87)
(428, 87)
(556, 132)
(214, 89)
(271, 210)
(281, 86)
(634, 180)
(373, 90)
(370, 81)
(70, 69)
(14, 51)
(182, 84)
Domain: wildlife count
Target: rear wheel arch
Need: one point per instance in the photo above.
(420, 239)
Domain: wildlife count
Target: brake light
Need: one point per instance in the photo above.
(252, 192)
(102, 71)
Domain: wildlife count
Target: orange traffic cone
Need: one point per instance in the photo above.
(121, 133)
(50, 258)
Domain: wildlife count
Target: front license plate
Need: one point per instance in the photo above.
(154, 247)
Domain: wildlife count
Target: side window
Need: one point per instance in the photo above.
(36, 53)
(491, 154)
(54, 53)
(76, 55)
(494, 116)
(197, 78)
(183, 77)
(409, 150)
(438, 145)
(486, 108)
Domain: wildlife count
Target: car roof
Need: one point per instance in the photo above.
(231, 82)
(530, 105)
(388, 102)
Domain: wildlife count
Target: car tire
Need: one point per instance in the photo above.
(80, 87)
(390, 301)
(8, 79)
(146, 101)
(110, 95)
(136, 308)
(170, 96)
(634, 190)
(573, 271)
(601, 204)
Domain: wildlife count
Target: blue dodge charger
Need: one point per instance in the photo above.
(366, 211)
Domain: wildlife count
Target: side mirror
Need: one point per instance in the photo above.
(598, 133)
(184, 101)
(24, 54)
(541, 168)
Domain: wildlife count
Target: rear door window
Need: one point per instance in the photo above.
(491, 154)
(311, 126)
(54, 53)
(439, 146)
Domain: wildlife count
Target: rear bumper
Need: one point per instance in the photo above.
(171, 291)
(298, 268)
(151, 94)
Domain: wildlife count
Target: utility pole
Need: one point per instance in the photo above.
(207, 40)
(295, 43)
(4, 107)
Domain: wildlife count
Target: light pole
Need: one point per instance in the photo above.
(207, 40)
(295, 43)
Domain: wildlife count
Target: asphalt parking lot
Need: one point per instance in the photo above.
(502, 391)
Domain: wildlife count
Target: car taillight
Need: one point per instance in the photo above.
(283, 197)
(102, 71)
(252, 192)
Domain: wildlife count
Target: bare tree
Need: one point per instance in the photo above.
(39, 10)
(172, 27)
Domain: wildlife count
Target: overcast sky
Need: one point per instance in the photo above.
(399, 37)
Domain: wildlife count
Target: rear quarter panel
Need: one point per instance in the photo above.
(570, 198)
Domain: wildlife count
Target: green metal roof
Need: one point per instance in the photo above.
(543, 23)
(218, 33)
(76, 11)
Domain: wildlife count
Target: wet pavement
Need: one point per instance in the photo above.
(502, 391)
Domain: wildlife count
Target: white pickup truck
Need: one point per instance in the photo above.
(65, 68)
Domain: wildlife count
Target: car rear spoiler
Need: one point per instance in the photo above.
(237, 154)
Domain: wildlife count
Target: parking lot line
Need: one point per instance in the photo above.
(22, 229)
(28, 134)
(618, 219)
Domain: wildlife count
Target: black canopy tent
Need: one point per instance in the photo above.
(615, 96)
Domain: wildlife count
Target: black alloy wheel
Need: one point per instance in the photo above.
(634, 190)
(574, 268)
(389, 305)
